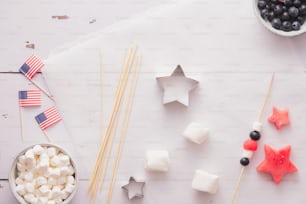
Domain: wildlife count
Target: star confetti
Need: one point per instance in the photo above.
(279, 118)
(277, 163)
(177, 87)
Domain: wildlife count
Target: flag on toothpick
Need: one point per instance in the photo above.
(31, 66)
(48, 118)
(29, 98)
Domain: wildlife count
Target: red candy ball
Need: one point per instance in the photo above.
(250, 145)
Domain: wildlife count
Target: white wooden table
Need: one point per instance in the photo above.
(233, 66)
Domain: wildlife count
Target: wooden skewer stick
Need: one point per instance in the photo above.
(118, 100)
(48, 138)
(124, 129)
(21, 123)
(95, 178)
(97, 169)
(42, 89)
(260, 116)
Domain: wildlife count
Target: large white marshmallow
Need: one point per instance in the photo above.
(44, 190)
(52, 181)
(61, 180)
(69, 188)
(28, 176)
(55, 172)
(196, 133)
(204, 181)
(157, 160)
(64, 160)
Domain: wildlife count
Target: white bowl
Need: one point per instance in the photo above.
(268, 25)
(13, 174)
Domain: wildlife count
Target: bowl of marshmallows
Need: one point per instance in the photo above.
(43, 174)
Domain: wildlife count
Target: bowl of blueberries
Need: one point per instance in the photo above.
(282, 17)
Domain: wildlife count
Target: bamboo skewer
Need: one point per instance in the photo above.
(124, 129)
(99, 164)
(42, 89)
(21, 123)
(259, 119)
(95, 178)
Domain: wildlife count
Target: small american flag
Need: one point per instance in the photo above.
(31, 67)
(29, 98)
(48, 117)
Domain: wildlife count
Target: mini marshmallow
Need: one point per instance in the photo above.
(51, 181)
(65, 171)
(247, 153)
(55, 172)
(70, 180)
(30, 163)
(20, 189)
(29, 153)
(69, 188)
(64, 160)
(21, 167)
(55, 192)
(157, 160)
(29, 187)
(58, 201)
(21, 159)
(51, 151)
(38, 150)
(61, 180)
(40, 181)
(51, 202)
(44, 156)
(34, 200)
(71, 170)
(64, 194)
(194, 132)
(28, 176)
(206, 182)
(42, 200)
(28, 197)
(257, 126)
(55, 161)
(19, 181)
(44, 190)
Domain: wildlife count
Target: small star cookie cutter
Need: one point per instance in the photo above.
(134, 188)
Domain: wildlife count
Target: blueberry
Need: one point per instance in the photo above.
(288, 2)
(285, 16)
(301, 19)
(297, 3)
(286, 26)
(264, 13)
(293, 12)
(302, 9)
(284, 8)
(276, 23)
(271, 16)
(261, 4)
(296, 25)
(278, 10)
(274, 1)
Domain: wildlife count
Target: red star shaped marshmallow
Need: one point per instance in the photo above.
(279, 118)
(277, 163)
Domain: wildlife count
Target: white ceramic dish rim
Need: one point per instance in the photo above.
(12, 174)
(278, 32)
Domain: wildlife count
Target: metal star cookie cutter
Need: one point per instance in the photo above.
(134, 188)
(177, 86)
